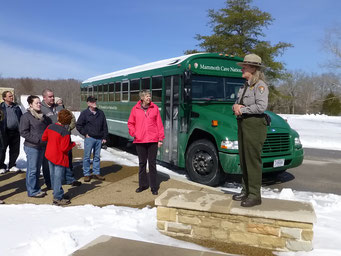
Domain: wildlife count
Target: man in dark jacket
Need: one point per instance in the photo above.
(10, 132)
(1, 141)
(92, 125)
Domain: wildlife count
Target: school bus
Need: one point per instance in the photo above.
(195, 94)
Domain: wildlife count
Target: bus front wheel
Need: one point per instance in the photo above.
(202, 163)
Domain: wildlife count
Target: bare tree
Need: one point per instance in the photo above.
(332, 44)
(68, 90)
(291, 87)
(306, 93)
(327, 83)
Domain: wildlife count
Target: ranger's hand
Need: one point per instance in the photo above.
(236, 109)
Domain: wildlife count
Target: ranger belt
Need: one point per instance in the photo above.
(244, 116)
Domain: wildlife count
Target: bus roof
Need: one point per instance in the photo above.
(141, 68)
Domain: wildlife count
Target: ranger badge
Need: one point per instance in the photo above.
(261, 89)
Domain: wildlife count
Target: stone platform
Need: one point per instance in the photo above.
(280, 225)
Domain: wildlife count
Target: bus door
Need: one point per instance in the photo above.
(171, 107)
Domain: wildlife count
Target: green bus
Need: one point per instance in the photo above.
(195, 94)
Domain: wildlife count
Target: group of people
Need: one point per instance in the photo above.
(46, 128)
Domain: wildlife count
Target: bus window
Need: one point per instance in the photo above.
(125, 91)
(157, 89)
(215, 88)
(105, 92)
(100, 93)
(176, 90)
(145, 83)
(84, 91)
(95, 90)
(117, 91)
(207, 88)
(111, 92)
(90, 91)
(232, 86)
(134, 90)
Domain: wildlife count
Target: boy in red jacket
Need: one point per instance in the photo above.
(58, 146)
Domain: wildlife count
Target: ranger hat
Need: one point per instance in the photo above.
(252, 60)
(91, 99)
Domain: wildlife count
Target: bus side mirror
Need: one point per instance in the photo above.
(187, 92)
(187, 77)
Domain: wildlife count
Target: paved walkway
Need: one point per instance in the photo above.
(117, 189)
(107, 245)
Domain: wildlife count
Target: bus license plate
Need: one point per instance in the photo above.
(278, 163)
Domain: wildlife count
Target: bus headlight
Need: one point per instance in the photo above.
(298, 143)
(228, 144)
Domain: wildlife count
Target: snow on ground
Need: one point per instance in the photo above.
(317, 131)
(50, 230)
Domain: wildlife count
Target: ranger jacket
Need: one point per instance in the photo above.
(255, 98)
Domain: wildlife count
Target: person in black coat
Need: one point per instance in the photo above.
(32, 126)
(1, 140)
(92, 124)
(10, 132)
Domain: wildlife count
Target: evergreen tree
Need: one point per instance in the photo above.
(238, 29)
(331, 105)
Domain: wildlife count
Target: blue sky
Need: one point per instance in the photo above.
(80, 39)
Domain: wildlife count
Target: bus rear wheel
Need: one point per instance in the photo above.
(202, 163)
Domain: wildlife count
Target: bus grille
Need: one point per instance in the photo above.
(276, 142)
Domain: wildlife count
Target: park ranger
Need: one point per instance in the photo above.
(249, 109)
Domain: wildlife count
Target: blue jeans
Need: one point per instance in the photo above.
(89, 145)
(57, 173)
(69, 177)
(34, 158)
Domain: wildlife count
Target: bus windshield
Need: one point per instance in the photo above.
(215, 88)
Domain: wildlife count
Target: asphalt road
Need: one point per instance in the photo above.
(320, 172)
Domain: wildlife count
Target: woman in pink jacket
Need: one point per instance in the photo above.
(145, 125)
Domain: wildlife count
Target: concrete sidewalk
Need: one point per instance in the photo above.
(117, 189)
(107, 245)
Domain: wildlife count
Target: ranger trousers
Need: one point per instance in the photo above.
(251, 136)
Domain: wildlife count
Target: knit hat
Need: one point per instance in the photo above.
(56, 99)
(64, 117)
